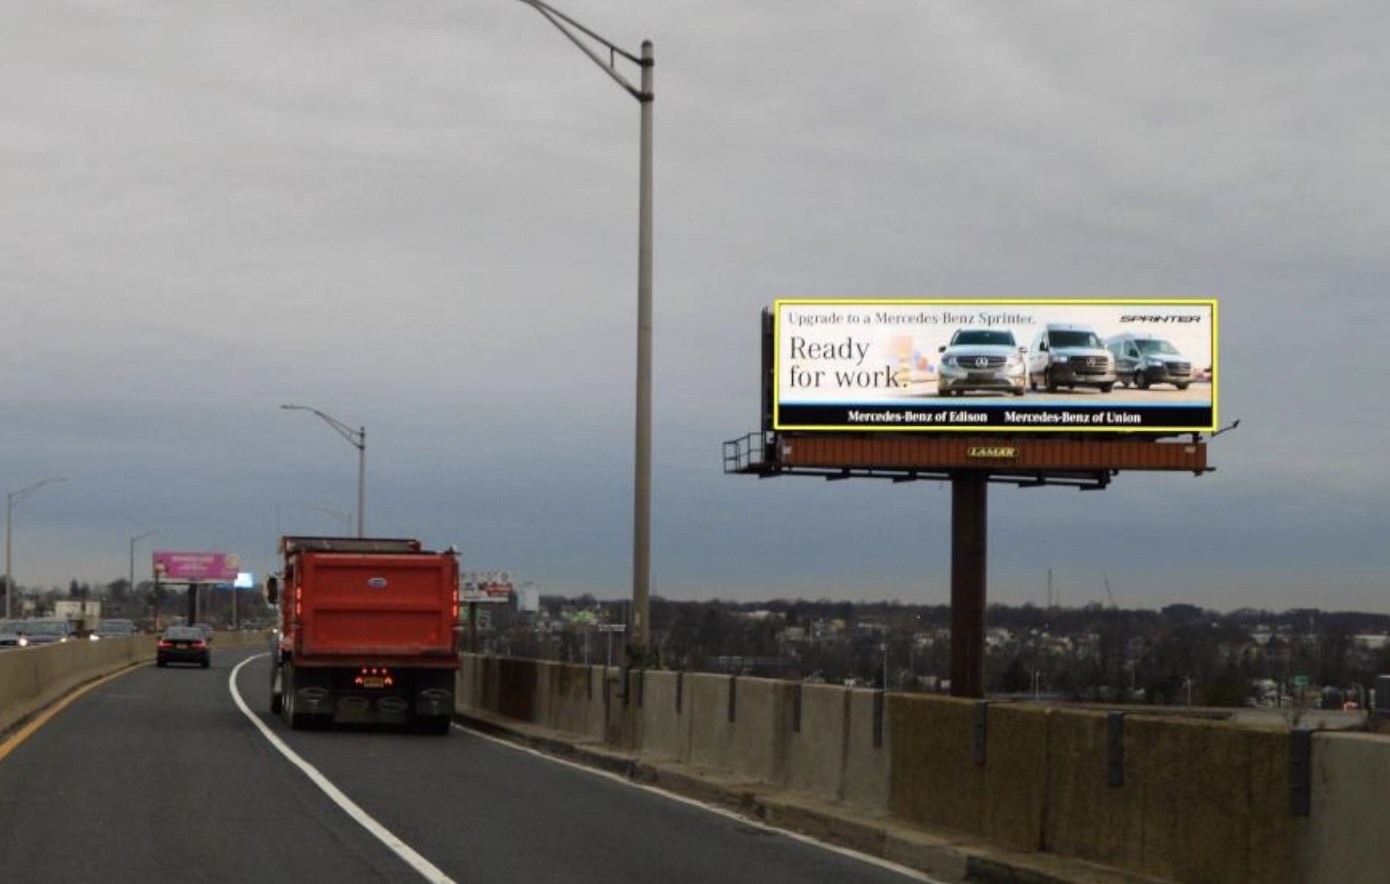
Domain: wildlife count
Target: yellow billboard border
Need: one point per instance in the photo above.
(777, 305)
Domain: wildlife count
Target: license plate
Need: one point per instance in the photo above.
(373, 681)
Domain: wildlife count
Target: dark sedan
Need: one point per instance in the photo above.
(182, 644)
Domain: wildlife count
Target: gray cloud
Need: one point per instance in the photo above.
(422, 219)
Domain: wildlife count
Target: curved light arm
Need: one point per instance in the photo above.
(357, 437)
(340, 515)
(358, 440)
(567, 26)
(11, 499)
(17, 496)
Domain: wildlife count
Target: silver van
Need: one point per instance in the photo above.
(981, 359)
(1143, 359)
(1066, 354)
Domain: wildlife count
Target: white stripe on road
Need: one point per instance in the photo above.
(715, 809)
(427, 869)
(432, 873)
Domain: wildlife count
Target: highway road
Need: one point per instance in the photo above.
(182, 774)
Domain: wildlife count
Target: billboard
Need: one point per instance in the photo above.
(213, 567)
(1015, 366)
(486, 586)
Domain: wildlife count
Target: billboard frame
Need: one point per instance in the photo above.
(900, 392)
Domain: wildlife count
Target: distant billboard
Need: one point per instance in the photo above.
(212, 567)
(1015, 366)
(486, 586)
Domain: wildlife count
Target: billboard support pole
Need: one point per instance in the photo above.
(192, 603)
(968, 558)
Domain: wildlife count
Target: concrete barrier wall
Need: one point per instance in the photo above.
(711, 731)
(568, 695)
(1345, 836)
(1178, 799)
(933, 777)
(665, 722)
(762, 728)
(1016, 789)
(816, 752)
(867, 762)
(1211, 799)
(31, 678)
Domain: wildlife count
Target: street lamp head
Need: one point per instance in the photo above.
(357, 438)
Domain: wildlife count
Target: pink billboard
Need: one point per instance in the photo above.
(210, 566)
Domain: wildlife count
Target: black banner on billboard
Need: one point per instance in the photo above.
(1013, 417)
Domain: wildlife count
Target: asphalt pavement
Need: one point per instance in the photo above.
(160, 775)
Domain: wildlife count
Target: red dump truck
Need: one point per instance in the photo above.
(368, 633)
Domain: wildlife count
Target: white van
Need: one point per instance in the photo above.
(1065, 354)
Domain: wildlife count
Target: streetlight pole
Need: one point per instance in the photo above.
(639, 647)
(358, 439)
(133, 541)
(13, 498)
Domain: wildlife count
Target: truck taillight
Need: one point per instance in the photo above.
(374, 677)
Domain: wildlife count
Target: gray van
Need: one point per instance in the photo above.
(1065, 354)
(1143, 360)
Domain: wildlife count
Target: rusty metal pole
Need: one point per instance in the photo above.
(969, 520)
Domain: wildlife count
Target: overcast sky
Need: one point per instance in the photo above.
(421, 218)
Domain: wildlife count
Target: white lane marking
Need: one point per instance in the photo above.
(427, 870)
(888, 865)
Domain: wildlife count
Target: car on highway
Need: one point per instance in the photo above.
(115, 628)
(183, 644)
(47, 630)
(12, 634)
(981, 359)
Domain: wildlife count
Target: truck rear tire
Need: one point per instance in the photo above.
(297, 721)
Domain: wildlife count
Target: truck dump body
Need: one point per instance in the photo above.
(375, 608)
(368, 633)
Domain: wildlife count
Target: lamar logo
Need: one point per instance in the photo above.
(995, 451)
